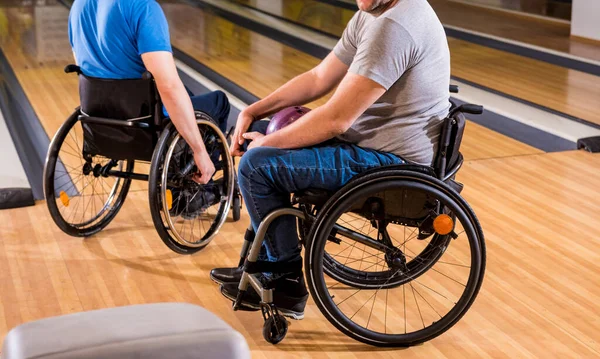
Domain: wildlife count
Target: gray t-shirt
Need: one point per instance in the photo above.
(405, 50)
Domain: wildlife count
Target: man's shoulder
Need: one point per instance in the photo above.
(135, 6)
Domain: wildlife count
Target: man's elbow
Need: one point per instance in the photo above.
(340, 126)
(168, 88)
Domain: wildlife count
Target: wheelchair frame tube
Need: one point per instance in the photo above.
(362, 239)
(245, 247)
(264, 225)
(129, 175)
(265, 295)
(113, 122)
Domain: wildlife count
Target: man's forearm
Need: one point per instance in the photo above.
(300, 90)
(313, 128)
(179, 106)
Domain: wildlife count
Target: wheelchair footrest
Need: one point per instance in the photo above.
(273, 267)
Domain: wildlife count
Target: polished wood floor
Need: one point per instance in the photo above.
(538, 212)
(539, 32)
(555, 87)
(539, 298)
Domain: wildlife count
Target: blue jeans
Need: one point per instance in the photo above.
(268, 175)
(215, 104)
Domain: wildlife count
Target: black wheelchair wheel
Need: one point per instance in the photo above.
(237, 208)
(275, 329)
(371, 276)
(381, 275)
(187, 215)
(428, 297)
(80, 199)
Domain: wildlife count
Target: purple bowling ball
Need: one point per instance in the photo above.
(285, 117)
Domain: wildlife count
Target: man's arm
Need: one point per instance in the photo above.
(179, 106)
(380, 59)
(354, 95)
(302, 89)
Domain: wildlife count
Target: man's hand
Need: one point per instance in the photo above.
(206, 168)
(257, 139)
(243, 124)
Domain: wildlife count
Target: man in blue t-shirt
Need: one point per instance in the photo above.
(121, 39)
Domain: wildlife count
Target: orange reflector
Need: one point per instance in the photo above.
(443, 224)
(64, 198)
(169, 198)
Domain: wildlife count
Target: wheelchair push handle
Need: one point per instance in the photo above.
(72, 68)
(467, 108)
(472, 109)
(453, 88)
(147, 75)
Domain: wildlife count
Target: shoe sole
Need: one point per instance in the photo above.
(286, 313)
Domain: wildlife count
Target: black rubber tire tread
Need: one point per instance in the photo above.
(362, 182)
(49, 170)
(154, 195)
(237, 208)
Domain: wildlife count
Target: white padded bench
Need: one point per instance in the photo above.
(164, 330)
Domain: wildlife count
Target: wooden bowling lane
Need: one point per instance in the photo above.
(555, 87)
(538, 32)
(37, 48)
(565, 90)
(260, 65)
(539, 295)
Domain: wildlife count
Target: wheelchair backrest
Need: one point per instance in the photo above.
(120, 118)
(450, 140)
(118, 99)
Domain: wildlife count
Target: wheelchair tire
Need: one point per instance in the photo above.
(237, 208)
(172, 223)
(58, 177)
(320, 287)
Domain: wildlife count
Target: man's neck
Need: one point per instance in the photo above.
(383, 8)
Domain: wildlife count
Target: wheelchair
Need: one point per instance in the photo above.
(118, 127)
(394, 258)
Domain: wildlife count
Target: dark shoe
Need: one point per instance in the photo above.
(289, 296)
(190, 203)
(198, 203)
(227, 275)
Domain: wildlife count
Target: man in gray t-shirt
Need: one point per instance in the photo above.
(405, 51)
(392, 72)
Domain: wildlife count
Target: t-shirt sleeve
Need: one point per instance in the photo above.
(70, 29)
(152, 28)
(345, 49)
(384, 53)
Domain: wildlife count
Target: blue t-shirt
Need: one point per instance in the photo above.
(109, 36)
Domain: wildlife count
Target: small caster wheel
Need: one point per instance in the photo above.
(275, 328)
(237, 207)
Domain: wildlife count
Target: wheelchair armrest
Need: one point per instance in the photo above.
(112, 122)
(451, 172)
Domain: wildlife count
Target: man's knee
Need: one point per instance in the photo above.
(259, 126)
(222, 104)
(256, 160)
